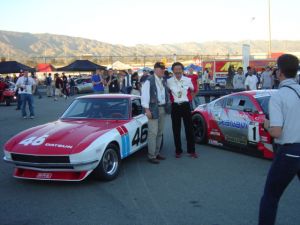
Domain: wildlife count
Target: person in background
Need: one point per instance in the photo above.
(230, 75)
(26, 86)
(193, 99)
(3, 86)
(144, 77)
(251, 82)
(48, 82)
(135, 83)
(167, 75)
(249, 70)
(58, 86)
(239, 79)
(126, 82)
(36, 92)
(65, 90)
(105, 77)
(112, 82)
(19, 99)
(72, 85)
(98, 82)
(284, 127)
(179, 87)
(267, 81)
(206, 80)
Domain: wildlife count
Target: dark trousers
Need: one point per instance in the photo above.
(183, 111)
(284, 168)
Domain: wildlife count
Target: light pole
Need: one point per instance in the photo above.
(270, 36)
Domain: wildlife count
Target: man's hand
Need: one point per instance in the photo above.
(267, 124)
(148, 113)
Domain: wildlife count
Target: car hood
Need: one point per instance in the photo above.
(60, 137)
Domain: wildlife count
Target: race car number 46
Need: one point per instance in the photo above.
(35, 141)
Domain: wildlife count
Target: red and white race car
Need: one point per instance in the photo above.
(93, 134)
(236, 121)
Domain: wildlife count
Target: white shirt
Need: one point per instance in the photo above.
(26, 84)
(238, 81)
(161, 94)
(251, 81)
(179, 88)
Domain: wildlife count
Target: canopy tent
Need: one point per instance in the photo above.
(194, 67)
(14, 67)
(120, 66)
(45, 67)
(81, 65)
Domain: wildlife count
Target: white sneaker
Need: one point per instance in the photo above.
(31, 117)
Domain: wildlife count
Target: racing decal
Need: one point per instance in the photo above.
(140, 137)
(233, 124)
(35, 141)
(214, 142)
(126, 147)
(253, 132)
(239, 140)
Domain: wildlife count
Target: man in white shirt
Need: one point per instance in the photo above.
(239, 79)
(251, 82)
(26, 86)
(154, 99)
(180, 86)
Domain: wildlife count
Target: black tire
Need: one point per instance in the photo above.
(8, 101)
(109, 166)
(200, 129)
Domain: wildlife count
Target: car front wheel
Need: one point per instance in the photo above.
(109, 166)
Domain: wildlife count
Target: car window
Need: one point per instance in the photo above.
(219, 103)
(232, 102)
(264, 103)
(136, 107)
(79, 81)
(98, 108)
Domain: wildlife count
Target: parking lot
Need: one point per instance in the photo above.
(219, 188)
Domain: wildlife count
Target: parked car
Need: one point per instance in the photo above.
(235, 121)
(83, 85)
(93, 135)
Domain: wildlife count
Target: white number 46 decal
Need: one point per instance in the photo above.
(34, 140)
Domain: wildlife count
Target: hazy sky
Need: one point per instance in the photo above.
(131, 22)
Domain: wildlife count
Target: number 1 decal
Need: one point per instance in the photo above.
(253, 132)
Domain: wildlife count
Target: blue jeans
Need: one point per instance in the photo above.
(19, 101)
(27, 98)
(284, 168)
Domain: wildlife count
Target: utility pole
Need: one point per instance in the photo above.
(270, 36)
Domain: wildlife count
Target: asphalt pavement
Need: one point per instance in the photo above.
(219, 188)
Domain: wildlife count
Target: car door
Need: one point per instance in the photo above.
(234, 121)
(139, 133)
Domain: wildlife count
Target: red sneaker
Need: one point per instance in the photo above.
(194, 155)
(178, 155)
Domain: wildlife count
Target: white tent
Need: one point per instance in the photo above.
(119, 66)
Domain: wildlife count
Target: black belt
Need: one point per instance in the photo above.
(180, 103)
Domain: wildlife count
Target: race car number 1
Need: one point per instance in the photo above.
(253, 132)
(35, 141)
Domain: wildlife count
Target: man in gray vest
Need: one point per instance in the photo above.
(155, 101)
(284, 126)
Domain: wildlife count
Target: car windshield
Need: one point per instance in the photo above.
(98, 108)
(264, 103)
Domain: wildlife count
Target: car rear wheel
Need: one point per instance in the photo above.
(109, 166)
(199, 126)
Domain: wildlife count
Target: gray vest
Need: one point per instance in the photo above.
(153, 105)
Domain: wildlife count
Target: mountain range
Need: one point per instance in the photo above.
(18, 45)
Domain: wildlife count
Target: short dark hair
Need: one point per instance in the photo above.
(248, 67)
(177, 64)
(288, 65)
(160, 65)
